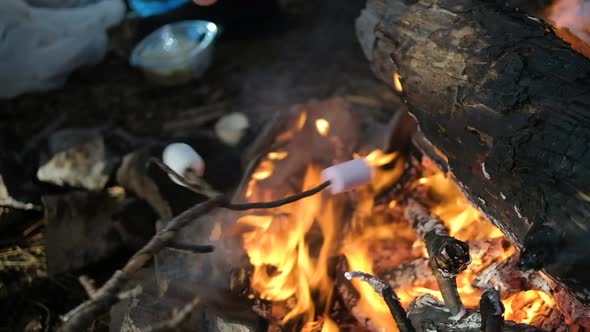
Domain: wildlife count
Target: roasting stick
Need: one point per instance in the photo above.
(448, 256)
(386, 292)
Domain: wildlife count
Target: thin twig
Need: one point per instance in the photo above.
(88, 284)
(277, 203)
(106, 296)
(172, 324)
(132, 293)
(191, 247)
(382, 288)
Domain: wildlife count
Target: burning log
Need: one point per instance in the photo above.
(448, 256)
(492, 311)
(506, 101)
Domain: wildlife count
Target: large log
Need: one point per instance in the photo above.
(508, 104)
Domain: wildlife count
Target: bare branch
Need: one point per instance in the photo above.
(83, 315)
(88, 284)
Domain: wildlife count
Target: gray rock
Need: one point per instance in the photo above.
(80, 159)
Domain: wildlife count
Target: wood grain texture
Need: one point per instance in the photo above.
(508, 103)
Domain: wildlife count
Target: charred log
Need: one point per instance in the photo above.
(506, 101)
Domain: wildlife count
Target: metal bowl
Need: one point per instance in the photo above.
(176, 53)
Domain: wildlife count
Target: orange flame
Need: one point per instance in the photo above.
(397, 82)
(525, 306)
(290, 247)
(322, 126)
(572, 20)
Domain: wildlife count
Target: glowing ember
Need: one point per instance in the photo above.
(264, 172)
(397, 83)
(279, 155)
(322, 126)
(525, 306)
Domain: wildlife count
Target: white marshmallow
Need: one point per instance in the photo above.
(181, 158)
(347, 175)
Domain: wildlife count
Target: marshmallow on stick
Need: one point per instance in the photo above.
(183, 160)
(347, 175)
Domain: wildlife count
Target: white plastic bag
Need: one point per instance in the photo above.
(39, 47)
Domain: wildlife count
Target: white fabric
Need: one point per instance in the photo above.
(39, 47)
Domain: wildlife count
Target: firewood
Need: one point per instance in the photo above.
(506, 102)
(447, 255)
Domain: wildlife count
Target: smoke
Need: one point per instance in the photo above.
(573, 15)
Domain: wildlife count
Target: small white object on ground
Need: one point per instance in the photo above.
(347, 175)
(182, 158)
(231, 128)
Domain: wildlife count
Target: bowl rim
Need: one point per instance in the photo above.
(209, 36)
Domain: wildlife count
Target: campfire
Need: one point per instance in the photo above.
(457, 203)
(299, 253)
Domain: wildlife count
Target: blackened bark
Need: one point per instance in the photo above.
(508, 103)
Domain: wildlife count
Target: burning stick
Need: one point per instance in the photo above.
(383, 289)
(492, 311)
(448, 256)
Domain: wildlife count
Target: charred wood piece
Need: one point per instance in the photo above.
(492, 311)
(448, 256)
(387, 293)
(508, 280)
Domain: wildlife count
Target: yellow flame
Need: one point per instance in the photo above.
(397, 83)
(290, 247)
(322, 126)
(370, 302)
(264, 171)
(525, 306)
(329, 326)
(277, 155)
(301, 120)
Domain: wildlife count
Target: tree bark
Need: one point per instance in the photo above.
(508, 104)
